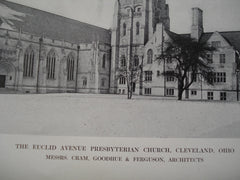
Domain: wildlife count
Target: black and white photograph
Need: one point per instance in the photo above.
(128, 69)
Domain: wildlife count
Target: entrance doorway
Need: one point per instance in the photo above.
(2, 81)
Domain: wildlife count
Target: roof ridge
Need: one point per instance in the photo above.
(209, 32)
(221, 32)
(56, 26)
(228, 31)
(44, 11)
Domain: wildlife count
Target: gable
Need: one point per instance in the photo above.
(155, 42)
(216, 39)
(232, 37)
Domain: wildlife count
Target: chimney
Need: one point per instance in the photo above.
(197, 23)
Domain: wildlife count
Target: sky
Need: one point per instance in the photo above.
(219, 15)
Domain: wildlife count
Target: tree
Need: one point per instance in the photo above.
(189, 58)
(130, 72)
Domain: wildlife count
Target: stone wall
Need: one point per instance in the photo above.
(14, 45)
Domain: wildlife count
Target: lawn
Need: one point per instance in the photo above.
(115, 116)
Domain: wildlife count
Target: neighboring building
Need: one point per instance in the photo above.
(43, 52)
(148, 43)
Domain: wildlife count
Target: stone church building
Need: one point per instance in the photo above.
(43, 52)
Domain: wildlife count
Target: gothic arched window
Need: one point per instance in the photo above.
(124, 29)
(103, 82)
(70, 68)
(136, 61)
(84, 81)
(137, 28)
(150, 56)
(122, 80)
(123, 61)
(51, 63)
(28, 63)
(104, 61)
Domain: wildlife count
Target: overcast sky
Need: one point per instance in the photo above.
(219, 15)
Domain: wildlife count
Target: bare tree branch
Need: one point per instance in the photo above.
(189, 57)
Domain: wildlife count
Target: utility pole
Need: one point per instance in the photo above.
(39, 61)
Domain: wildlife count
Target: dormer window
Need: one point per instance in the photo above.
(216, 44)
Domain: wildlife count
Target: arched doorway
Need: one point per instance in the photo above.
(2, 81)
(7, 75)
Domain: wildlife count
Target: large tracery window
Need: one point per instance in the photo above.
(51, 64)
(70, 68)
(28, 63)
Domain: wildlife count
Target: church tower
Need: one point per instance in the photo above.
(134, 23)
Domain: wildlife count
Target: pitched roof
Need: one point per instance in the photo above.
(38, 22)
(171, 34)
(233, 37)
